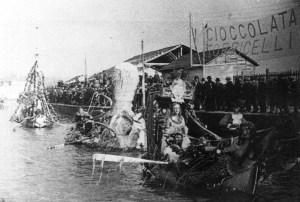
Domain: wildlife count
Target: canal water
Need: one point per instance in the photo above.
(30, 172)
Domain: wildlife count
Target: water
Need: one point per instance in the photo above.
(30, 172)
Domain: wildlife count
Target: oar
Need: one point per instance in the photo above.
(68, 143)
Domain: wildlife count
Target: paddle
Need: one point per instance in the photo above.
(68, 143)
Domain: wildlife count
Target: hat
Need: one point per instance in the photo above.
(217, 79)
(228, 78)
(209, 78)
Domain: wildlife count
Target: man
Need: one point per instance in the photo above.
(197, 92)
(229, 94)
(156, 78)
(209, 87)
(261, 95)
(219, 93)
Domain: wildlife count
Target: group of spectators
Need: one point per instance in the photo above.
(80, 93)
(251, 94)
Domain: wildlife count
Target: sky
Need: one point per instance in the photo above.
(106, 32)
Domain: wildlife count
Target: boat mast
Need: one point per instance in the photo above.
(203, 29)
(143, 72)
(85, 71)
(190, 37)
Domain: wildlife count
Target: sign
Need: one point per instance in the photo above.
(273, 36)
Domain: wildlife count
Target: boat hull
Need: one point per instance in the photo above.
(29, 123)
(216, 176)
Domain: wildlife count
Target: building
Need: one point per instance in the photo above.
(160, 58)
(221, 63)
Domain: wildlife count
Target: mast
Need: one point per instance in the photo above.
(85, 71)
(143, 72)
(190, 37)
(203, 61)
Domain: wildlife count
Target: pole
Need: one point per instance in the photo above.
(190, 37)
(143, 72)
(194, 32)
(85, 71)
(203, 29)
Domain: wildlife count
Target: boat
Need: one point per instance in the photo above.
(115, 127)
(33, 110)
(207, 162)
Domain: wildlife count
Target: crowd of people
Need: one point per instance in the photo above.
(251, 94)
(80, 93)
(256, 94)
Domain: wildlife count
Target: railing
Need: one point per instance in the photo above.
(268, 76)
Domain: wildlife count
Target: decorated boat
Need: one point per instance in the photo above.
(115, 126)
(33, 110)
(212, 161)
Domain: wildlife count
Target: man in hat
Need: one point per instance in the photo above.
(228, 94)
(209, 87)
(197, 92)
(219, 93)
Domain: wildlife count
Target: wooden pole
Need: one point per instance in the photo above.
(195, 43)
(143, 72)
(190, 37)
(203, 29)
(85, 71)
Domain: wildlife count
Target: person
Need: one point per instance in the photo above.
(242, 152)
(80, 119)
(178, 88)
(261, 95)
(228, 94)
(40, 119)
(219, 91)
(209, 88)
(176, 126)
(197, 92)
(156, 78)
(231, 122)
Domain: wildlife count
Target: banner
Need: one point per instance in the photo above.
(273, 36)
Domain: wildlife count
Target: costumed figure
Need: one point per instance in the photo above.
(175, 138)
(178, 89)
(241, 159)
(231, 122)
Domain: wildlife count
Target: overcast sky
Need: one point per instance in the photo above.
(106, 31)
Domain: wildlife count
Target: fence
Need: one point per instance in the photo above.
(268, 76)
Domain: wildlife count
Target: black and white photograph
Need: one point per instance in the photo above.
(150, 100)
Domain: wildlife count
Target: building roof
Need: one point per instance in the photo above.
(75, 78)
(184, 61)
(160, 56)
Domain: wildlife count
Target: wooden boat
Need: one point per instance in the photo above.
(213, 168)
(33, 110)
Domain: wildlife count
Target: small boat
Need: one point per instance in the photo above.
(33, 110)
